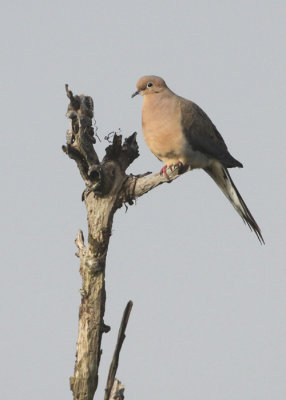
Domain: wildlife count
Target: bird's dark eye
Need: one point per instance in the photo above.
(149, 84)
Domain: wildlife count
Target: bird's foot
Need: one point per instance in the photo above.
(181, 168)
(163, 171)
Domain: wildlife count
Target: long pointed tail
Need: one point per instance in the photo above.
(222, 178)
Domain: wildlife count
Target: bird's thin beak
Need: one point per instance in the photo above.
(135, 94)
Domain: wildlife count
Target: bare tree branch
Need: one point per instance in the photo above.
(136, 186)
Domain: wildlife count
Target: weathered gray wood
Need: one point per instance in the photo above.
(108, 187)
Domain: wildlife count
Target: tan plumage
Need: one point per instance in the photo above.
(178, 131)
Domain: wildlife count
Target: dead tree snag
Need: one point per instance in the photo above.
(107, 188)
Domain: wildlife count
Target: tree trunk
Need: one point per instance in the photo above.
(107, 189)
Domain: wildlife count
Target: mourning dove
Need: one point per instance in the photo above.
(179, 133)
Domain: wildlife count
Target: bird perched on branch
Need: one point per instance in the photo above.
(179, 133)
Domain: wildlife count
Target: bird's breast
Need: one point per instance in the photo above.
(161, 123)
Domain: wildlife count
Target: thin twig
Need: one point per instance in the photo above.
(115, 359)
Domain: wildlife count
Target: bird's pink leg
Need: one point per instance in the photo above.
(163, 171)
(178, 164)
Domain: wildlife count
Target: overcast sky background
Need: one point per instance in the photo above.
(208, 320)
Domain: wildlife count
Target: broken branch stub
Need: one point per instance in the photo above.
(98, 177)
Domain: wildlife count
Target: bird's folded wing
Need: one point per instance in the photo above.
(202, 134)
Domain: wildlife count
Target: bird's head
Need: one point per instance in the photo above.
(149, 85)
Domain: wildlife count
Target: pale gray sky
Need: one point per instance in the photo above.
(208, 320)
